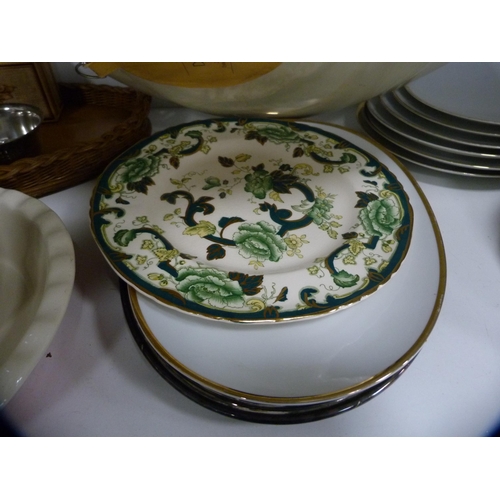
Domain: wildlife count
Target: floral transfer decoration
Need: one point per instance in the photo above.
(251, 220)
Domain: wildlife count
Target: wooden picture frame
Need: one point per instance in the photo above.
(31, 83)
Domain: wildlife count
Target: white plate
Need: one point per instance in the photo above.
(482, 162)
(252, 220)
(452, 134)
(408, 100)
(468, 90)
(412, 158)
(37, 269)
(328, 359)
(236, 407)
(377, 111)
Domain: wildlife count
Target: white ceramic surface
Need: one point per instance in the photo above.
(418, 159)
(237, 407)
(431, 127)
(37, 269)
(293, 89)
(328, 358)
(454, 158)
(405, 97)
(468, 90)
(379, 113)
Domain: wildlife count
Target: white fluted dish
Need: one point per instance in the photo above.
(37, 269)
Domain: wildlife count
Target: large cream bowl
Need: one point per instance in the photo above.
(289, 89)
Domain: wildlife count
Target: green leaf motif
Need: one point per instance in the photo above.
(386, 248)
(258, 183)
(211, 182)
(202, 229)
(345, 279)
(348, 158)
(349, 260)
(278, 134)
(155, 276)
(332, 233)
(124, 236)
(195, 134)
(356, 246)
(243, 157)
(275, 196)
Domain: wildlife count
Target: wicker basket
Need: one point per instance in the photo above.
(77, 161)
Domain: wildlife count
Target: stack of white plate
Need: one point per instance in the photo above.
(160, 336)
(448, 120)
(271, 271)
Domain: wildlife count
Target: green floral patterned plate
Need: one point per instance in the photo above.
(252, 220)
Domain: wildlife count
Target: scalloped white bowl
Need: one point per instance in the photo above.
(37, 270)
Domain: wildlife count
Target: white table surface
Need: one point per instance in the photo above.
(96, 382)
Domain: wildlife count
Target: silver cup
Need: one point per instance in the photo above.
(17, 125)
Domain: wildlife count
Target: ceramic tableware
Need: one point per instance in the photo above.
(269, 89)
(253, 220)
(299, 363)
(468, 91)
(414, 158)
(480, 162)
(405, 97)
(379, 114)
(431, 127)
(37, 268)
(237, 408)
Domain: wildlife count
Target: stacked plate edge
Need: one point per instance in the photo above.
(226, 404)
(434, 131)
